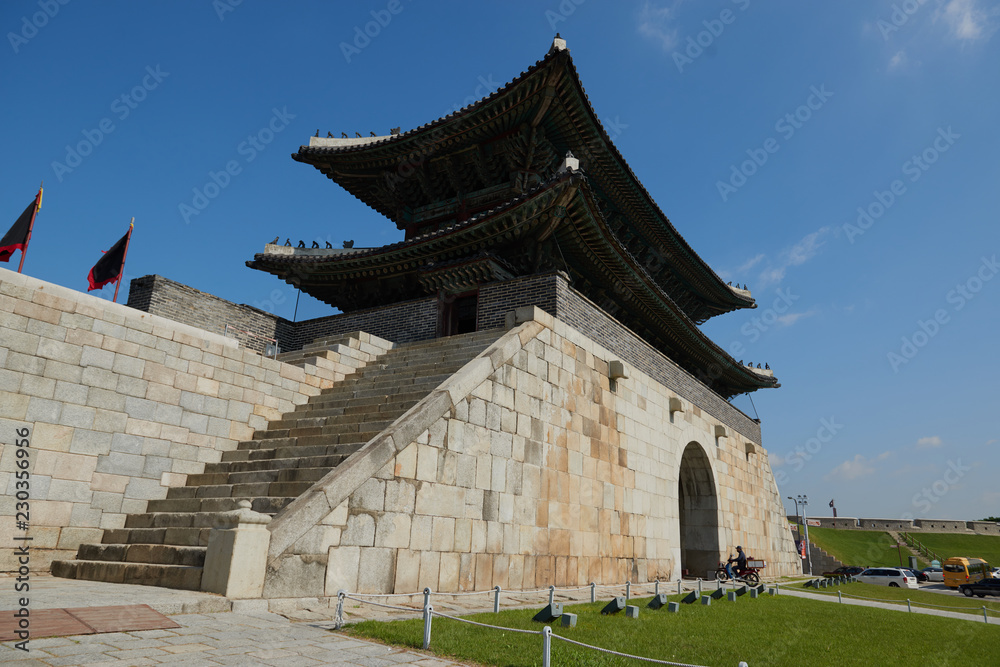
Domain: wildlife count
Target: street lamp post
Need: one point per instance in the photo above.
(804, 500)
(798, 516)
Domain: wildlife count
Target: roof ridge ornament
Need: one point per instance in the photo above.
(558, 44)
(569, 163)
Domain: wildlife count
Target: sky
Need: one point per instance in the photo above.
(840, 159)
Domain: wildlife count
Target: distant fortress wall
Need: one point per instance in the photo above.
(913, 525)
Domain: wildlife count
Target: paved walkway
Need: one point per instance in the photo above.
(971, 615)
(223, 638)
(210, 634)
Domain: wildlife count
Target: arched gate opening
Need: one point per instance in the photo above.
(698, 510)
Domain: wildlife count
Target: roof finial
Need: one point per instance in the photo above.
(569, 163)
(558, 44)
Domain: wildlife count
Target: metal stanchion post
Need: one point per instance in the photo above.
(496, 600)
(593, 591)
(428, 614)
(552, 593)
(628, 591)
(546, 646)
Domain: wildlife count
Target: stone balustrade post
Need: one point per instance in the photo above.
(236, 559)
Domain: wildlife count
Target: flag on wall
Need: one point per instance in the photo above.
(18, 236)
(109, 268)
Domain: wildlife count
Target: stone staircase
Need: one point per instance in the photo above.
(166, 545)
(821, 560)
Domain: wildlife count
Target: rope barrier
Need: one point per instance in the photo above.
(624, 655)
(385, 606)
(487, 625)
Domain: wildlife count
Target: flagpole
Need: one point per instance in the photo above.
(38, 205)
(118, 280)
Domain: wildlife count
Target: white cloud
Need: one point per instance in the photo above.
(929, 442)
(898, 60)
(789, 319)
(967, 21)
(655, 23)
(750, 263)
(800, 253)
(851, 469)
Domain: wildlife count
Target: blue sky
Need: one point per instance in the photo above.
(840, 159)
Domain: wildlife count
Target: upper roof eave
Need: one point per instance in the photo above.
(722, 295)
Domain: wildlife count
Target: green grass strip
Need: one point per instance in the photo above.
(771, 630)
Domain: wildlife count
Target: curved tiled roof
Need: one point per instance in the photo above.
(599, 259)
(606, 164)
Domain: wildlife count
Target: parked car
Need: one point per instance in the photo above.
(894, 577)
(981, 588)
(996, 573)
(844, 571)
(921, 576)
(934, 573)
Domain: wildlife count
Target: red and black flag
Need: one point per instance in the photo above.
(110, 267)
(18, 236)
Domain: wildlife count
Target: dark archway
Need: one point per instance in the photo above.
(698, 511)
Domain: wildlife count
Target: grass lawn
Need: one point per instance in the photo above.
(861, 547)
(917, 597)
(948, 544)
(781, 630)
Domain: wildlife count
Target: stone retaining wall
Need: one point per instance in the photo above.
(121, 405)
(527, 469)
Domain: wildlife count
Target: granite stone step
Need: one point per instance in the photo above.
(166, 545)
(183, 577)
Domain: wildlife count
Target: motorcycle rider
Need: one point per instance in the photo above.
(741, 563)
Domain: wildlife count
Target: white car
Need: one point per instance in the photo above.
(934, 573)
(888, 576)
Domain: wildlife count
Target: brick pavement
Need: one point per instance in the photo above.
(223, 638)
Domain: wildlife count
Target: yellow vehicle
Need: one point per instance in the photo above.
(960, 570)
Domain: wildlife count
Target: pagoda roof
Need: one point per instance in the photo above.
(563, 218)
(462, 163)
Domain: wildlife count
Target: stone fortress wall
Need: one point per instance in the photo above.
(539, 471)
(121, 405)
(527, 468)
(411, 321)
(907, 525)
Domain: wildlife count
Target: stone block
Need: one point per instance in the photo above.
(376, 571)
(52, 437)
(430, 567)
(448, 574)
(420, 532)
(360, 531)
(67, 392)
(393, 530)
(69, 491)
(369, 496)
(73, 537)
